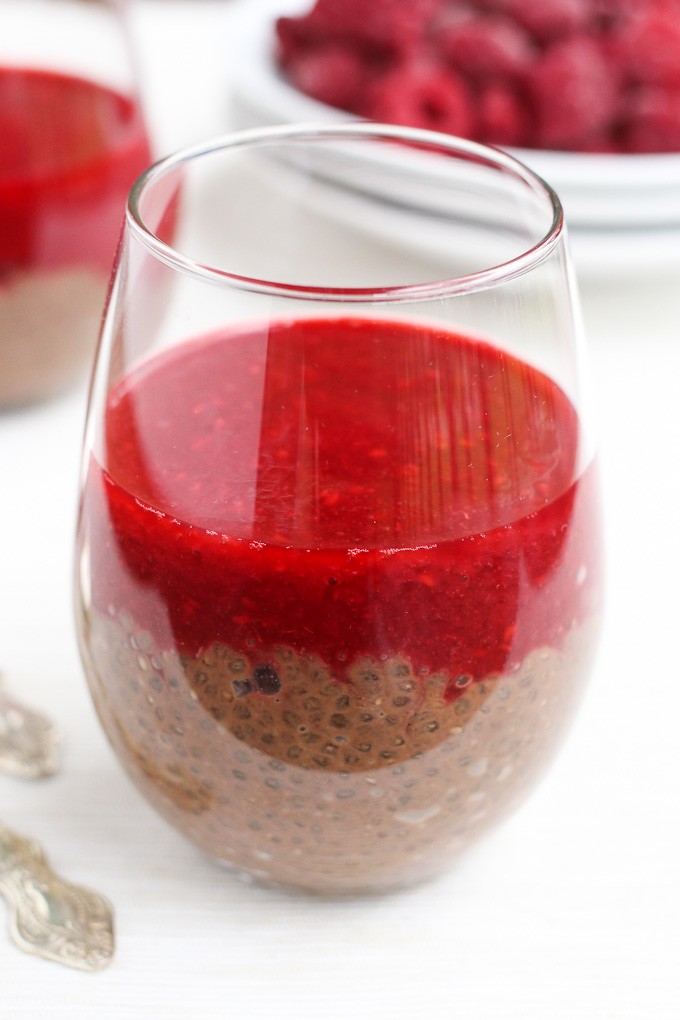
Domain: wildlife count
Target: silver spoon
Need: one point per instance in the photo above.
(49, 917)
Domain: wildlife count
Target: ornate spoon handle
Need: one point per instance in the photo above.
(49, 916)
(29, 742)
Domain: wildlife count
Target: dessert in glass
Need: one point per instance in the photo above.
(73, 142)
(338, 555)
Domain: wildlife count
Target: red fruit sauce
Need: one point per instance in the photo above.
(343, 487)
(70, 151)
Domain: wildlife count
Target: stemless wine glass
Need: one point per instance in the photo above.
(338, 579)
(73, 142)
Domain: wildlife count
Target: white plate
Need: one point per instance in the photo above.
(623, 211)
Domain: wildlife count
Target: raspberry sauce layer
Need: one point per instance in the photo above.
(343, 488)
(70, 152)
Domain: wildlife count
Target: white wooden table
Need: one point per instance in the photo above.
(570, 912)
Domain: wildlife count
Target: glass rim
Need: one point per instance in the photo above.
(494, 275)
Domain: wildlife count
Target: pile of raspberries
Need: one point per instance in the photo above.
(570, 75)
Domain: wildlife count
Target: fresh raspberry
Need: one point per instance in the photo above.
(653, 121)
(398, 24)
(547, 20)
(608, 15)
(503, 116)
(486, 46)
(422, 94)
(332, 74)
(648, 45)
(293, 37)
(574, 93)
(542, 73)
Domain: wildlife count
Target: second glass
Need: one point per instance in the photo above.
(338, 552)
(73, 142)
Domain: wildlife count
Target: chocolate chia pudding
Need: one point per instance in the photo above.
(301, 780)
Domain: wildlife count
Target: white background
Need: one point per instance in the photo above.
(569, 912)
